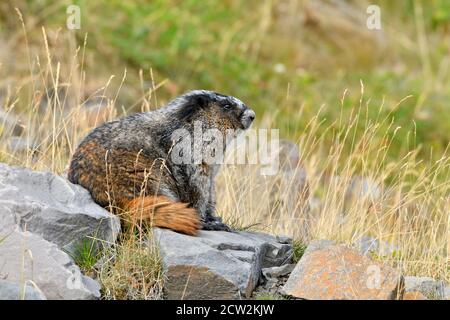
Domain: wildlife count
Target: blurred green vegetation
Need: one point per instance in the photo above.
(285, 62)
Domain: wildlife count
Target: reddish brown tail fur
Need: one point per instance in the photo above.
(160, 211)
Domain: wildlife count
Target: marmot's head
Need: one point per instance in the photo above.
(215, 110)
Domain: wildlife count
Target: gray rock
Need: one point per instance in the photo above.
(13, 291)
(367, 245)
(447, 293)
(284, 239)
(28, 258)
(52, 207)
(429, 287)
(277, 272)
(217, 265)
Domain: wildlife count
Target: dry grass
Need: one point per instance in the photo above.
(353, 194)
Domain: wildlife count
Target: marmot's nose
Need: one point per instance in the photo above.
(250, 114)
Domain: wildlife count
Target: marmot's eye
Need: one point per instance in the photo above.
(227, 106)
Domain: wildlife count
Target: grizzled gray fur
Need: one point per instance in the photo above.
(140, 145)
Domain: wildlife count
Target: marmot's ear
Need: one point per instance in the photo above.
(200, 101)
(190, 108)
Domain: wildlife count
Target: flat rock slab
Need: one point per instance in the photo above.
(27, 258)
(216, 264)
(52, 207)
(335, 272)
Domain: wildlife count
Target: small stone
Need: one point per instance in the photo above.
(277, 272)
(284, 239)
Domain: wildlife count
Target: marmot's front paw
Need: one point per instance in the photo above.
(216, 226)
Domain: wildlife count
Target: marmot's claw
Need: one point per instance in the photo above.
(216, 226)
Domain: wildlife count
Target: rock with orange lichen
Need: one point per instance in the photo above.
(335, 272)
(414, 295)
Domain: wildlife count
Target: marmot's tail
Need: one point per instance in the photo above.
(160, 211)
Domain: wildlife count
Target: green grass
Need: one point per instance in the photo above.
(298, 250)
(133, 270)
(86, 254)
